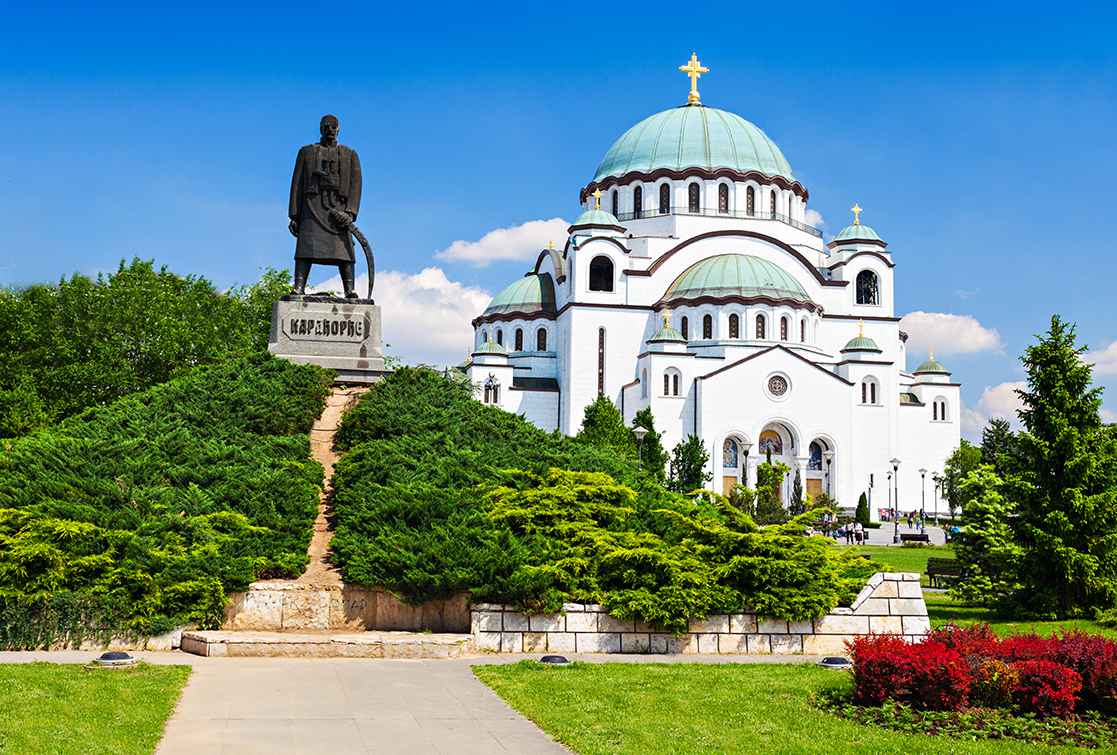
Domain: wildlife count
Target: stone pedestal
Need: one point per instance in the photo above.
(340, 334)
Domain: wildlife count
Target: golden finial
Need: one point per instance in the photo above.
(860, 328)
(551, 245)
(693, 69)
(667, 318)
(597, 195)
(932, 353)
(856, 214)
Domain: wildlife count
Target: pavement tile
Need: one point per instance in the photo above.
(464, 737)
(317, 736)
(249, 736)
(193, 737)
(388, 737)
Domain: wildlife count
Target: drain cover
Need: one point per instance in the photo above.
(115, 658)
(835, 662)
(558, 660)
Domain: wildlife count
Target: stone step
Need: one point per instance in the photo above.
(233, 644)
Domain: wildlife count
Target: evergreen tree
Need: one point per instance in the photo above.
(1063, 478)
(603, 426)
(688, 466)
(996, 443)
(986, 551)
(797, 506)
(652, 453)
(964, 460)
(862, 513)
(769, 508)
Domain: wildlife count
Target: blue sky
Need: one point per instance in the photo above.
(979, 138)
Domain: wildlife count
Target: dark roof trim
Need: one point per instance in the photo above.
(596, 227)
(595, 305)
(846, 242)
(804, 360)
(696, 172)
(510, 316)
(793, 303)
(870, 318)
(858, 254)
(611, 239)
(863, 361)
(534, 384)
(752, 235)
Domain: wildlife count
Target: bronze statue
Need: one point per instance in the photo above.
(325, 197)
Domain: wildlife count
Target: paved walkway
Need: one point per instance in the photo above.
(338, 706)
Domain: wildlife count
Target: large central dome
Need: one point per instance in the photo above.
(694, 136)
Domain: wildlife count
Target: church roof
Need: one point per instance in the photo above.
(735, 275)
(668, 334)
(491, 347)
(694, 136)
(857, 232)
(862, 343)
(534, 292)
(597, 218)
(932, 367)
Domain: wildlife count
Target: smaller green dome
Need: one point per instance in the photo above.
(597, 218)
(741, 275)
(667, 334)
(491, 347)
(932, 367)
(857, 232)
(533, 293)
(862, 343)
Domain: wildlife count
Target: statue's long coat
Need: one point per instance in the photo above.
(319, 239)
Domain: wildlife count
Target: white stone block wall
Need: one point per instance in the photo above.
(889, 603)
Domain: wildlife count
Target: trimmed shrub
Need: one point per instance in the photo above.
(881, 668)
(1046, 688)
(939, 678)
(976, 639)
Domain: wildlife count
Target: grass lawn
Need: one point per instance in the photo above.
(942, 610)
(903, 559)
(678, 708)
(63, 709)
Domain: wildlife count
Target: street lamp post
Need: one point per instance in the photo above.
(639, 432)
(829, 456)
(936, 480)
(896, 533)
(896, 468)
(923, 501)
(746, 447)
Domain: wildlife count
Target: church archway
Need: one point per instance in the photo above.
(782, 439)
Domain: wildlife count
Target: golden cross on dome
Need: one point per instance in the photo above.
(856, 214)
(597, 195)
(550, 245)
(860, 328)
(932, 353)
(693, 69)
(667, 318)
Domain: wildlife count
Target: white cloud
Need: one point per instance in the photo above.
(967, 294)
(1107, 416)
(996, 401)
(814, 218)
(973, 422)
(519, 242)
(1105, 361)
(426, 317)
(947, 334)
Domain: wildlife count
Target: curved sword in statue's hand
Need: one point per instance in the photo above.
(368, 255)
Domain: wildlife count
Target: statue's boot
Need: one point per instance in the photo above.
(302, 272)
(348, 275)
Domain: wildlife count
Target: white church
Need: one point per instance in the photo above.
(692, 284)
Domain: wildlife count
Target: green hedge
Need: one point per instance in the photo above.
(436, 494)
(158, 504)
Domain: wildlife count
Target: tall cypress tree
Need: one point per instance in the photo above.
(653, 455)
(603, 426)
(1063, 477)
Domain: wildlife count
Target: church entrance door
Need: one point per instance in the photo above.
(727, 484)
(814, 487)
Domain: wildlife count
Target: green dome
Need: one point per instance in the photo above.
(932, 367)
(491, 347)
(857, 232)
(735, 275)
(597, 218)
(667, 334)
(532, 293)
(693, 136)
(862, 343)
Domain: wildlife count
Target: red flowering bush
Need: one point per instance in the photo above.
(1024, 647)
(938, 677)
(976, 639)
(1101, 688)
(994, 682)
(880, 667)
(1046, 688)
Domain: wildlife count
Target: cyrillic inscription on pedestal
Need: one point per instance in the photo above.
(340, 334)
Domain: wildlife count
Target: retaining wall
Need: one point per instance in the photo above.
(889, 603)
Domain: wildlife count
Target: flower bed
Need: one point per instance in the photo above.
(969, 682)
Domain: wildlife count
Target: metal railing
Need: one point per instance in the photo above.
(656, 212)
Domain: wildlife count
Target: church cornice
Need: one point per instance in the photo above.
(510, 316)
(695, 172)
(853, 256)
(866, 318)
(784, 349)
(810, 306)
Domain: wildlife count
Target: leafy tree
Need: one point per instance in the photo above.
(769, 508)
(987, 550)
(603, 426)
(653, 455)
(1063, 479)
(797, 506)
(964, 460)
(688, 466)
(862, 512)
(996, 442)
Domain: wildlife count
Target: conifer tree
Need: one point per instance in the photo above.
(964, 460)
(862, 512)
(996, 442)
(653, 456)
(688, 466)
(1063, 478)
(797, 506)
(986, 551)
(603, 426)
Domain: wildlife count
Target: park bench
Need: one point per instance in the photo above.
(938, 568)
(921, 537)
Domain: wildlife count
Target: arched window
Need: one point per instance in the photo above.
(750, 201)
(864, 393)
(616, 201)
(938, 409)
(666, 384)
(541, 340)
(500, 337)
(803, 331)
(601, 274)
(644, 384)
(519, 339)
(872, 393)
(600, 361)
(734, 326)
(761, 328)
(784, 323)
(638, 201)
(707, 327)
(492, 390)
(675, 384)
(868, 391)
(773, 201)
(815, 459)
(484, 336)
(868, 288)
(692, 198)
(684, 327)
(723, 198)
(664, 198)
